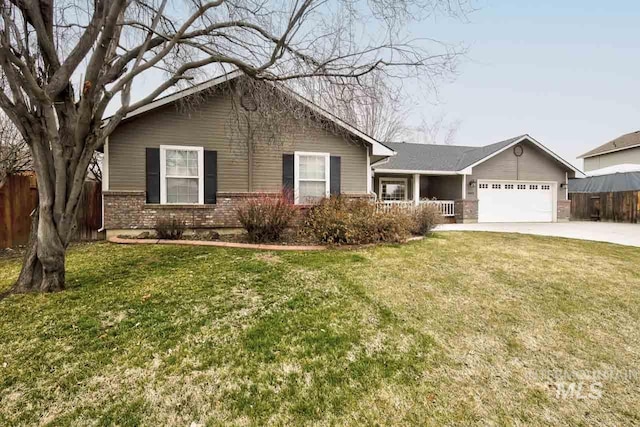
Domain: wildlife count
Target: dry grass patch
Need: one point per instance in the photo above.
(456, 329)
(507, 309)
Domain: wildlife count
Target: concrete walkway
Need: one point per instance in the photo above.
(622, 234)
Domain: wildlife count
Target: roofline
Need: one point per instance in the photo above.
(587, 155)
(425, 172)
(378, 148)
(379, 162)
(536, 143)
(167, 99)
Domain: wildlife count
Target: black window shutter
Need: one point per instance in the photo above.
(153, 175)
(288, 175)
(210, 176)
(334, 173)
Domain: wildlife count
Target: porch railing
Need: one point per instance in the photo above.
(446, 207)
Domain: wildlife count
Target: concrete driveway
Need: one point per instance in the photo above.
(622, 234)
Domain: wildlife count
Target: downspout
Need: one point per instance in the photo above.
(249, 155)
(105, 176)
(370, 177)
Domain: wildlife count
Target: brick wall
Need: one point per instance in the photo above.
(129, 210)
(564, 210)
(466, 211)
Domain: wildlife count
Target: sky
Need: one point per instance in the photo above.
(567, 72)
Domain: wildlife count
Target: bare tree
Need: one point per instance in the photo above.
(95, 167)
(14, 153)
(435, 130)
(374, 105)
(64, 62)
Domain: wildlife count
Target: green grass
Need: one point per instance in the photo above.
(456, 329)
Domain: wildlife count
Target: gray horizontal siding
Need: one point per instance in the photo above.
(631, 155)
(209, 125)
(533, 165)
(268, 158)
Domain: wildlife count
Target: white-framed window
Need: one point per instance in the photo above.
(393, 189)
(312, 172)
(181, 175)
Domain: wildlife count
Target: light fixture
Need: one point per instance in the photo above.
(472, 183)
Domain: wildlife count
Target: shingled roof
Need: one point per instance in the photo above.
(620, 143)
(431, 157)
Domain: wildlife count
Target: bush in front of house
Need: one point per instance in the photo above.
(339, 220)
(393, 226)
(333, 220)
(265, 218)
(170, 229)
(425, 218)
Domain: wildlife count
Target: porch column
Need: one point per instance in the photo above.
(416, 189)
(464, 186)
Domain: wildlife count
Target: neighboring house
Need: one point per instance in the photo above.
(517, 180)
(611, 190)
(166, 160)
(621, 151)
(180, 159)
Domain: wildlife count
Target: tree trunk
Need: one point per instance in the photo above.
(43, 269)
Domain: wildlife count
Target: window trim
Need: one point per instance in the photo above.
(163, 172)
(296, 173)
(405, 181)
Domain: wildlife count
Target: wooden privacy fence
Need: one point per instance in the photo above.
(622, 206)
(19, 197)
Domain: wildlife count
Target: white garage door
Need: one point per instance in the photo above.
(515, 201)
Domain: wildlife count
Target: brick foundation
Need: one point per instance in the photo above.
(128, 210)
(564, 210)
(466, 211)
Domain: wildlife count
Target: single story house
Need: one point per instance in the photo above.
(620, 151)
(178, 157)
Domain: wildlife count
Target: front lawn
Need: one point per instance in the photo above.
(461, 328)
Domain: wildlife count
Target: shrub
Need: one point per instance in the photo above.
(425, 218)
(265, 217)
(393, 226)
(170, 229)
(339, 220)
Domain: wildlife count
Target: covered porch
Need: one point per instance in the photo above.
(408, 190)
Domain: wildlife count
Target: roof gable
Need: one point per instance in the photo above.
(378, 148)
(624, 142)
(442, 158)
(454, 158)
